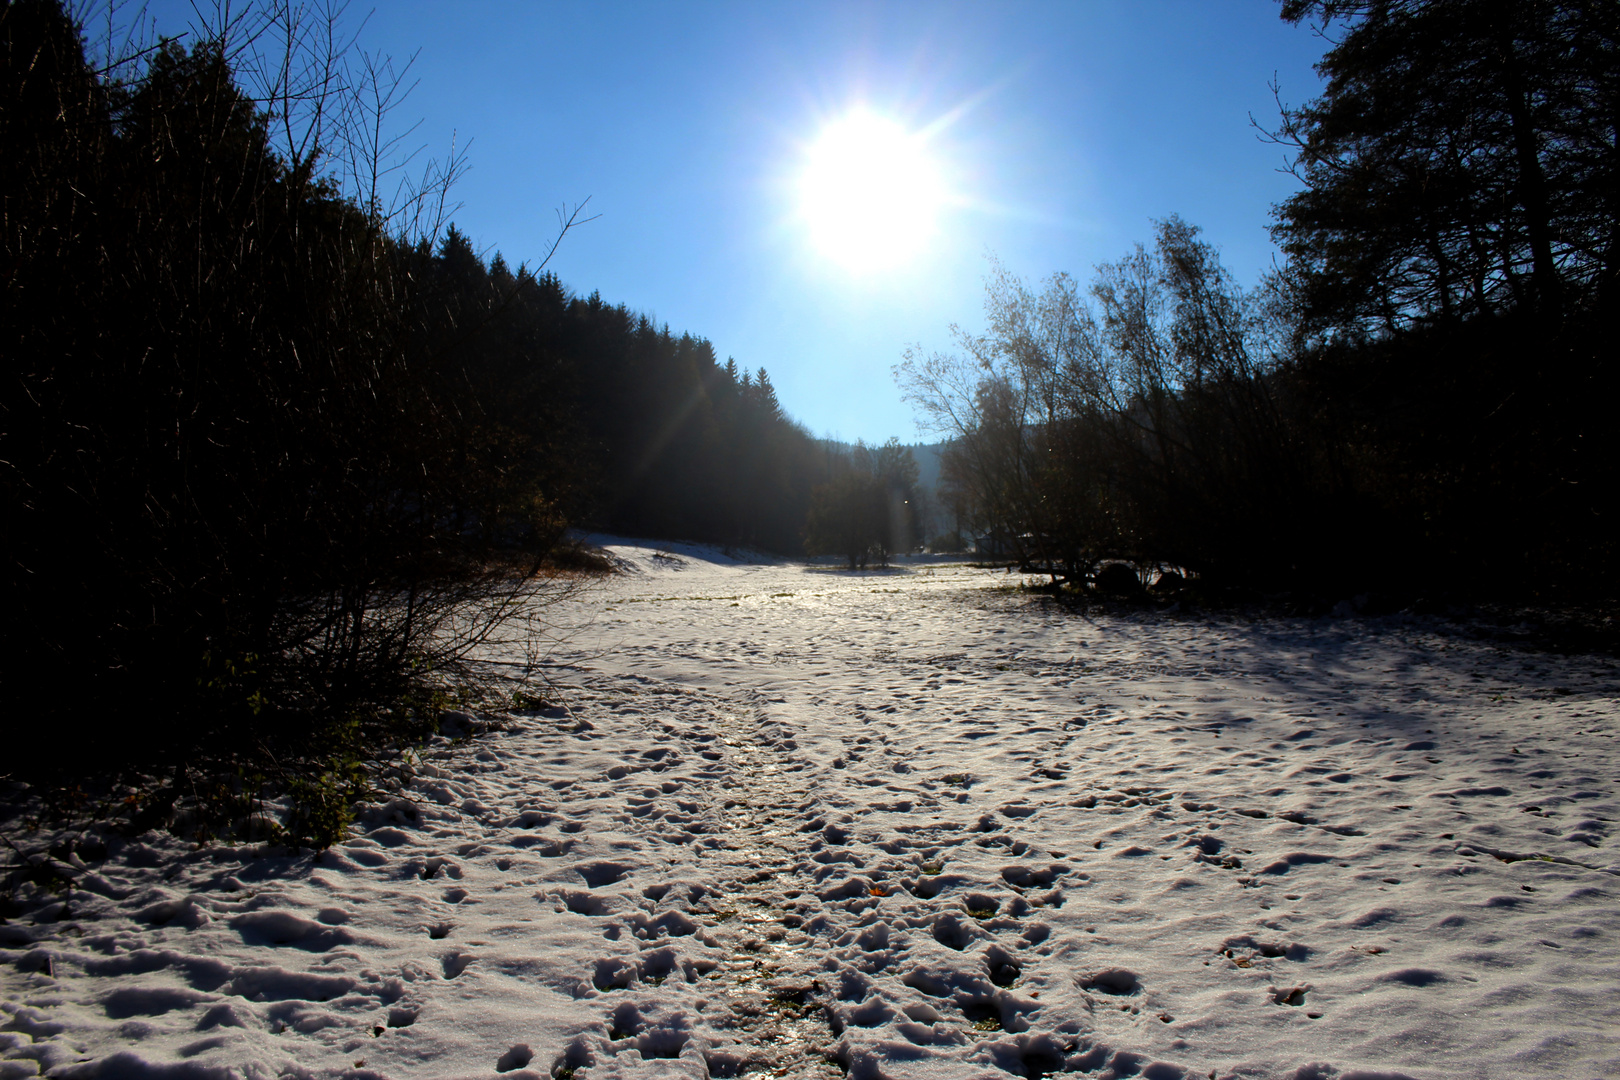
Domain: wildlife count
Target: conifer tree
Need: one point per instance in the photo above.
(1461, 160)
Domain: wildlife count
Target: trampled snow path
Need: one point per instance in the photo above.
(798, 822)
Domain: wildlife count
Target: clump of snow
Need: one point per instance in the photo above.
(805, 822)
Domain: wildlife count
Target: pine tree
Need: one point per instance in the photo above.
(765, 397)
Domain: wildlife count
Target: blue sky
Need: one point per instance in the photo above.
(1062, 129)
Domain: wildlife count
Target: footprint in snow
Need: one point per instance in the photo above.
(1003, 968)
(1417, 977)
(597, 874)
(285, 928)
(515, 1058)
(627, 1023)
(1025, 877)
(1293, 995)
(614, 973)
(1115, 982)
(584, 903)
(366, 856)
(981, 905)
(428, 869)
(545, 846)
(953, 933)
(455, 963)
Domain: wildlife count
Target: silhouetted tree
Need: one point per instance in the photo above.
(867, 511)
(845, 518)
(1461, 161)
(1139, 423)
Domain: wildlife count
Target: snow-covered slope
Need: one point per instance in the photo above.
(795, 821)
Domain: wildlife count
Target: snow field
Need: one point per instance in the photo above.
(792, 821)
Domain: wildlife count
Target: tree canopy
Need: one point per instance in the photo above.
(1462, 160)
(869, 509)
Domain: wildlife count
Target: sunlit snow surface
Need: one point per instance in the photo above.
(800, 822)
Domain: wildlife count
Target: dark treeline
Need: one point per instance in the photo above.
(276, 457)
(870, 508)
(1417, 404)
(641, 432)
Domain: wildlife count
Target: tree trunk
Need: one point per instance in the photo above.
(1532, 186)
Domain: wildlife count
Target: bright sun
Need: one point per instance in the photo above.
(870, 193)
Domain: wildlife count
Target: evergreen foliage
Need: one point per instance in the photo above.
(273, 465)
(243, 494)
(640, 432)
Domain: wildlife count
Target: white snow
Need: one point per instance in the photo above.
(788, 820)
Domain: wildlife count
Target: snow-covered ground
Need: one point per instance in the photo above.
(793, 821)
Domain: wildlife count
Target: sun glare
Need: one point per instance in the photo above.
(870, 193)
